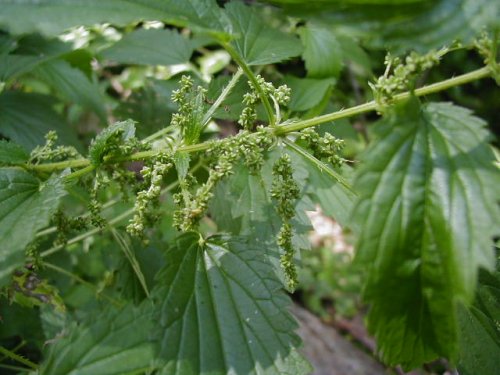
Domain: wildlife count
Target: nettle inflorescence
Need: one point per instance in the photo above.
(488, 49)
(403, 74)
(279, 96)
(50, 152)
(246, 146)
(286, 191)
(326, 147)
(153, 176)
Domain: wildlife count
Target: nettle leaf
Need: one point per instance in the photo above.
(307, 92)
(100, 146)
(256, 42)
(322, 51)
(427, 209)
(26, 205)
(28, 127)
(222, 310)
(420, 26)
(51, 17)
(480, 330)
(117, 342)
(150, 47)
(73, 84)
(12, 153)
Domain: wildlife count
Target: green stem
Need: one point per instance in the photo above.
(222, 97)
(372, 105)
(248, 72)
(284, 129)
(79, 173)
(18, 358)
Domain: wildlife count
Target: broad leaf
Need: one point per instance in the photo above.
(150, 47)
(26, 205)
(322, 51)
(256, 42)
(107, 140)
(307, 92)
(222, 311)
(26, 118)
(115, 342)
(479, 329)
(72, 84)
(51, 17)
(12, 153)
(427, 209)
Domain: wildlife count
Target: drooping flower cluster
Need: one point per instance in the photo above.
(326, 147)
(286, 191)
(50, 152)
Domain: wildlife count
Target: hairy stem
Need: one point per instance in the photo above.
(17, 358)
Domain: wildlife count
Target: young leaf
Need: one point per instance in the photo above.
(72, 84)
(117, 342)
(427, 209)
(222, 310)
(322, 52)
(100, 146)
(150, 47)
(479, 329)
(259, 44)
(12, 153)
(26, 205)
(28, 127)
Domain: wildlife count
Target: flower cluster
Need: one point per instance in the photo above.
(224, 154)
(487, 48)
(95, 206)
(191, 109)
(286, 191)
(403, 75)
(66, 224)
(153, 177)
(327, 147)
(50, 152)
(280, 96)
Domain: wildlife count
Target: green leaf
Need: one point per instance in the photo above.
(114, 342)
(222, 310)
(479, 329)
(72, 84)
(108, 138)
(51, 17)
(427, 210)
(26, 118)
(11, 153)
(322, 51)
(150, 47)
(259, 44)
(307, 92)
(26, 205)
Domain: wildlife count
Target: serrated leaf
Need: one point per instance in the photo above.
(480, 329)
(427, 209)
(26, 205)
(100, 146)
(117, 342)
(222, 310)
(72, 84)
(150, 47)
(28, 127)
(322, 51)
(11, 153)
(51, 17)
(258, 43)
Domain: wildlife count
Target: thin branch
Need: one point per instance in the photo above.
(18, 358)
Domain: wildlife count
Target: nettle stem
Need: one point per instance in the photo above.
(281, 129)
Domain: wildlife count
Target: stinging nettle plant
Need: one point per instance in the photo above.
(166, 243)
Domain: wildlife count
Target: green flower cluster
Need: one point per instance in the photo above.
(67, 224)
(224, 154)
(327, 147)
(285, 191)
(488, 48)
(403, 75)
(189, 118)
(280, 96)
(50, 152)
(153, 177)
(95, 206)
